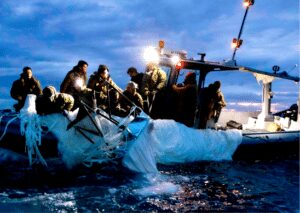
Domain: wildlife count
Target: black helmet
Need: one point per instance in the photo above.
(101, 68)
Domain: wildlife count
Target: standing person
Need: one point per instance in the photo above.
(153, 85)
(75, 83)
(27, 84)
(205, 106)
(186, 100)
(219, 100)
(132, 94)
(107, 92)
(136, 77)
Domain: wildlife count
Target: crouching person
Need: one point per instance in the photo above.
(53, 102)
(130, 97)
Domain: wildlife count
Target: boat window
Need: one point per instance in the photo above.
(183, 73)
(167, 70)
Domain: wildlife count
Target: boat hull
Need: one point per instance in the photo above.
(254, 146)
(268, 146)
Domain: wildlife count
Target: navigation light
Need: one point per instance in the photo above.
(236, 43)
(248, 3)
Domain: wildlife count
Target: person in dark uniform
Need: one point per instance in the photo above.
(75, 84)
(132, 94)
(136, 77)
(27, 84)
(186, 96)
(53, 102)
(219, 100)
(106, 91)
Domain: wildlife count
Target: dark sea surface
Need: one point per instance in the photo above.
(206, 186)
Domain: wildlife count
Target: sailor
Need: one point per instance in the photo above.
(186, 100)
(75, 84)
(211, 103)
(136, 77)
(205, 106)
(218, 99)
(133, 96)
(27, 84)
(53, 102)
(153, 85)
(107, 92)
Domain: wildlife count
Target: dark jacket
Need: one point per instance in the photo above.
(69, 83)
(139, 80)
(136, 99)
(60, 102)
(104, 89)
(22, 87)
(186, 103)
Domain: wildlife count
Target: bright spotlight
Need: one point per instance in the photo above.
(151, 55)
(175, 59)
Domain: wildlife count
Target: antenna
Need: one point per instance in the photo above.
(237, 42)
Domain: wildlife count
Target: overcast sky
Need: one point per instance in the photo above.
(51, 36)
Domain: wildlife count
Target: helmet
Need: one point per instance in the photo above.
(102, 68)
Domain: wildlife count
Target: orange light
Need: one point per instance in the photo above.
(234, 43)
(248, 3)
(161, 44)
(179, 65)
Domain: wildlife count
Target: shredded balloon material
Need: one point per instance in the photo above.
(30, 126)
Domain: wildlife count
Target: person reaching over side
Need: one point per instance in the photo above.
(133, 96)
(53, 102)
(106, 91)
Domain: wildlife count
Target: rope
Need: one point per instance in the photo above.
(6, 126)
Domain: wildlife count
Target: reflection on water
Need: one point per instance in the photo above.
(214, 186)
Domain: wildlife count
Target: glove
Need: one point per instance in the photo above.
(153, 92)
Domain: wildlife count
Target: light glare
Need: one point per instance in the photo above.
(175, 59)
(151, 55)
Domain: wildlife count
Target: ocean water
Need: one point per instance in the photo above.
(206, 186)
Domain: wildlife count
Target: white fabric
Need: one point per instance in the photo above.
(31, 127)
(168, 142)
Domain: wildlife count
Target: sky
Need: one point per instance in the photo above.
(51, 36)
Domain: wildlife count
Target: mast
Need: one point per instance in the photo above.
(237, 42)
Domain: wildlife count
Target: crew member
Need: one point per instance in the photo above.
(218, 99)
(136, 77)
(107, 92)
(53, 102)
(27, 84)
(186, 96)
(75, 84)
(133, 96)
(154, 83)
